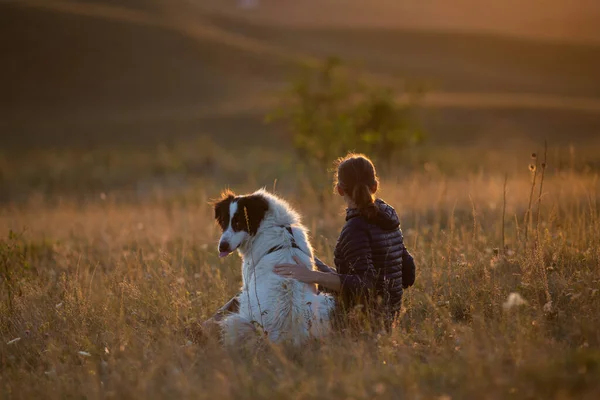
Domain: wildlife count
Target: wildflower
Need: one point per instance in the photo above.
(514, 300)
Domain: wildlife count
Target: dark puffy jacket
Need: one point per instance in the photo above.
(371, 259)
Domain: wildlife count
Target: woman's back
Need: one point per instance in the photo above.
(369, 255)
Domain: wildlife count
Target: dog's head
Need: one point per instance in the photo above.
(239, 218)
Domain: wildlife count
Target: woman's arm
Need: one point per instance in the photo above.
(359, 255)
(302, 273)
(328, 280)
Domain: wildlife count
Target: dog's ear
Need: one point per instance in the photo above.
(221, 208)
(253, 209)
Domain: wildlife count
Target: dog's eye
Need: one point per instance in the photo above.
(236, 224)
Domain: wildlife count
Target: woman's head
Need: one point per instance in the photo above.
(356, 180)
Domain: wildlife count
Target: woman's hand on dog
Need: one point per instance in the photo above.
(299, 271)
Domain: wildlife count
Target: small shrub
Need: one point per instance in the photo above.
(330, 111)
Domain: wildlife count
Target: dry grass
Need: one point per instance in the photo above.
(96, 298)
(107, 244)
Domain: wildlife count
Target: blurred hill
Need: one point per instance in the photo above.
(78, 74)
(93, 72)
(569, 20)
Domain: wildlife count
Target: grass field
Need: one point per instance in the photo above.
(119, 121)
(97, 296)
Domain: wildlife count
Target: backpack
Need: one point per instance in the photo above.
(408, 269)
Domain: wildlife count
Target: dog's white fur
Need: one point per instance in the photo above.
(283, 309)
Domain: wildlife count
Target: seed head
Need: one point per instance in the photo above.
(533, 156)
(514, 300)
(532, 167)
(543, 165)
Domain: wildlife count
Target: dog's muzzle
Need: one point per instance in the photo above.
(224, 249)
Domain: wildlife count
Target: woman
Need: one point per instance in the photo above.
(372, 263)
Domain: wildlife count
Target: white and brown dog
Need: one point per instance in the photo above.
(267, 231)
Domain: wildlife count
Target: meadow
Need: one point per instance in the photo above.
(99, 294)
(112, 147)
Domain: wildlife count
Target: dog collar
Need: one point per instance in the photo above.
(279, 247)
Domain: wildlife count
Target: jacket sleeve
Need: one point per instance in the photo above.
(357, 253)
(321, 266)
